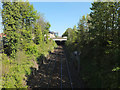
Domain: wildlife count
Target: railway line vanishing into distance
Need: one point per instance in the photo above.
(55, 72)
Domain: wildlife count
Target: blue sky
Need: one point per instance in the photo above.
(62, 15)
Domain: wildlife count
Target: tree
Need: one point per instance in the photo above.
(18, 19)
(46, 31)
(10, 18)
(38, 34)
(98, 38)
(67, 32)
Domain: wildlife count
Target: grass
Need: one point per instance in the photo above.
(16, 70)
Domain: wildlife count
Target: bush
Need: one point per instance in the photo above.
(16, 70)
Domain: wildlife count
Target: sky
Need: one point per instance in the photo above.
(62, 15)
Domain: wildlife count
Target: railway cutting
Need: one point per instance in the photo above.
(55, 72)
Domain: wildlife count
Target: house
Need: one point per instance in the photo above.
(2, 35)
(52, 34)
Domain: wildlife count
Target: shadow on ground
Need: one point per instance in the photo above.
(47, 75)
(40, 77)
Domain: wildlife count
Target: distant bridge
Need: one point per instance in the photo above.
(60, 40)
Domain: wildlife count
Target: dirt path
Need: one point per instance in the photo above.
(54, 73)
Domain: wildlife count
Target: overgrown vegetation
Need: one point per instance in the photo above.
(24, 43)
(97, 37)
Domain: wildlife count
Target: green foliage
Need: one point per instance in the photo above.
(24, 43)
(14, 70)
(18, 18)
(38, 34)
(31, 48)
(67, 32)
(97, 38)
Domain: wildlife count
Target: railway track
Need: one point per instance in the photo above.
(64, 72)
(55, 73)
(69, 74)
(46, 79)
